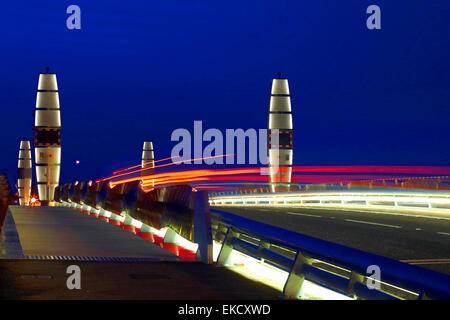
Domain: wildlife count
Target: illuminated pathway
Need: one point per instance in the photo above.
(139, 270)
(55, 231)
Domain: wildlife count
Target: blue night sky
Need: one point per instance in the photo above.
(137, 70)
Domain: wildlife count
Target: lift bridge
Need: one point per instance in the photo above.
(185, 243)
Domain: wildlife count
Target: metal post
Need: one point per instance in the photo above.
(262, 245)
(202, 227)
(354, 278)
(294, 283)
(227, 247)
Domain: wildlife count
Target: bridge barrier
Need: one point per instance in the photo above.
(176, 210)
(391, 200)
(330, 265)
(181, 220)
(6, 198)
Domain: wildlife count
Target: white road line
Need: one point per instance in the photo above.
(427, 261)
(444, 233)
(304, 214)
(377, 224)
(379, 212)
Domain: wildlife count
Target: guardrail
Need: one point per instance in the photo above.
(422, 201)
(335, 267)
(6, 198)
(176, 218)
(330, 265)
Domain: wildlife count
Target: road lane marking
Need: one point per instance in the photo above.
(377, 224)
(427, 261)
(378, 212)
(444, 233)
(304, 214)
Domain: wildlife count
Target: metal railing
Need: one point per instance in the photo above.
(303, 258)
(407, 200)
(330, 265)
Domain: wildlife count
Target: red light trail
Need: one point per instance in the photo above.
(257, 174)
(159, 166)
(149, 162)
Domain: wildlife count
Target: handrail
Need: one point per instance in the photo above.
(423, 281)
(404, 201)
(328, 264)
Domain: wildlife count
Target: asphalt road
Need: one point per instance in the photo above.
(422, 241)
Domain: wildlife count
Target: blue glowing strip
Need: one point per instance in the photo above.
(436, 285)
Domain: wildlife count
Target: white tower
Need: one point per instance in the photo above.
(47, 137)
(24, 173)
(280, 136)
(148, 160)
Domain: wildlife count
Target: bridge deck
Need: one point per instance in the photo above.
(40, 279)
(56, 231)
(65, 232)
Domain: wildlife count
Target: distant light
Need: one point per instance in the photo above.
(33, 200)
(77, 162)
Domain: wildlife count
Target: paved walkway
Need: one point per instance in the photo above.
(9, 240)
(67, 233)
(39, 279)
(64, 232)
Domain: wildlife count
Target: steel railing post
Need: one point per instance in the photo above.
(262, 245)
(202, 227)
(223, 259)
(354, 278)
(295, 282)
